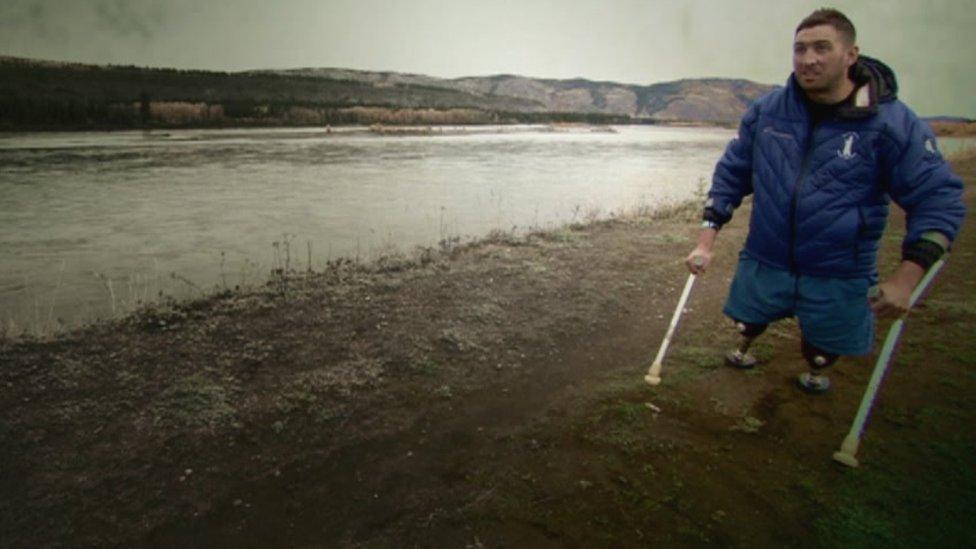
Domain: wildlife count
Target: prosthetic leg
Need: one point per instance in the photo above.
(814, 381)
(740, 357)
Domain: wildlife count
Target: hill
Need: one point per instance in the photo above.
(37, 94)
(692, 100)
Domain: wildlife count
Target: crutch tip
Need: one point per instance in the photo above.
(652, 380)
(845, 459)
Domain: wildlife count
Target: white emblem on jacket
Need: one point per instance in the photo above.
(847, 151)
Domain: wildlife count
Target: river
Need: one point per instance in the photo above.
(93, 223)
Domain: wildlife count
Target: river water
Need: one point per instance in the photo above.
(91, 223)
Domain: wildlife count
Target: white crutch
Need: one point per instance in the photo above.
(848, 448)
(653, 376)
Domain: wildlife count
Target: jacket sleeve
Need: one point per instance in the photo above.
(732, 180)
(922, 183)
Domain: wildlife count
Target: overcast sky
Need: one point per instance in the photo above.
(930, 44)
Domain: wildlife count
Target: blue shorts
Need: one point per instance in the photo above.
(833, 313)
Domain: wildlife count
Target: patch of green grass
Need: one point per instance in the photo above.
(564, 234)
(128, 380)
(700, 357)
(952, 307)
(444, 391)
(906, 505)
(856, 525)
(67, 372)
(459, 339)
(900, 415)
(295, 398)
(194, 401)
(621, 387)
(943, 343)
(630, 412)
(622, 438)
(806, 486)
(638, 498)
(618, 424)
(762, 350)
(694, 532)
(748, 424)
(933, 415)
(312, 395)
(675, 377)
(668, 238)
(612, 302)
(784, 329)
(426, 366)
(69, 412)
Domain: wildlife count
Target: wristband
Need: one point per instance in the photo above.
(712, 216)
(923, 252)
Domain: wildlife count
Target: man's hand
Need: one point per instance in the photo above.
(894, 293)
(698, 260)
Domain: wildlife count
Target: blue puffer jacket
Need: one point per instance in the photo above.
(822, 192)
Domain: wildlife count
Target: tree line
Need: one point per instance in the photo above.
(37, 95)
(24, 112)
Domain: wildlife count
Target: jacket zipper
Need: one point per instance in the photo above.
(797, 188)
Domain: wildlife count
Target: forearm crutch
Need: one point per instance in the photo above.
(848, 448)
(653, 376)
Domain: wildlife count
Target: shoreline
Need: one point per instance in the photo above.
(340, 128)
(387, 260)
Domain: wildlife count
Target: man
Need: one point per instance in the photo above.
(822, 157)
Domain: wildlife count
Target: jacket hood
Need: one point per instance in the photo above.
(868, 70)
(874, 83)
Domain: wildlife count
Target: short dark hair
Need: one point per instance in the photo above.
(832, 17)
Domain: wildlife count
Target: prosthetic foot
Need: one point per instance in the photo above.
(740, 357)
(814, 382)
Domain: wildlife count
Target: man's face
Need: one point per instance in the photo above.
(821, 59)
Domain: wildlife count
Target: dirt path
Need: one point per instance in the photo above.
(489, 395)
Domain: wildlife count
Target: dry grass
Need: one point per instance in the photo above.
(964, 155)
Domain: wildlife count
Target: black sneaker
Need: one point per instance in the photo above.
(813, 384)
